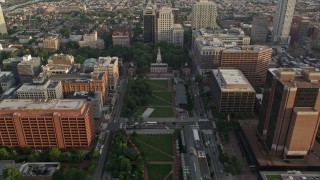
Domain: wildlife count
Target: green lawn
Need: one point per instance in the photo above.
(158, 172)
(273, 177)
(140, 111)
(161, 142)
(158, 85)
(162, 112)
(161, 99)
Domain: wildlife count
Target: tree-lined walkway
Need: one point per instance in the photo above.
(139, 155)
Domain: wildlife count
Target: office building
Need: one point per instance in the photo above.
(121, 38)
(61, 59)
(89, 82)
(289, 115)
(92, 40)
(29, 68)
(3, 27)
(252, 61)
(282, 21)
(159, 67)
(177, 35)
(149, 25)
(231, 91)
(165, 24)
(40, 88)
(95, 98)
(65, 123)
(109, 65)
(299, 28)
(50, 43)
(7, 80)
(259, 30)
(204, 15)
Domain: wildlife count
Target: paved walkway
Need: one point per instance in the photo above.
(146, 176)
(155, 148)
(167, 176)
(176, 163)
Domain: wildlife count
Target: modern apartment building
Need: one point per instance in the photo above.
(165, 24)
(204, 15)
(259, 30)
(40, 88)
(61, 59)
(66, 123)
(231, 92)
(149, 25)
(92, 82)
(109, 65)
(289, 116)
(253, 61)
(29, 68)
(282, 21)
(299, 28)
(92, 40)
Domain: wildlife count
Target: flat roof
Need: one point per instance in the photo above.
(29, 104)
(231, 80)
(290, 175)
(34, 87)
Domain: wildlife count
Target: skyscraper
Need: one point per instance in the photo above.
(149, 24)
(289, 116)
(165, 24)
(204, 14)
(282, 21)
(299, 28)
(259, 30)
(3, 27)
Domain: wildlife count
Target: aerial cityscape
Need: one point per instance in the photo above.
(159, 89)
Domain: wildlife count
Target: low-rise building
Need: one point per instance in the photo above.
(110, 65)
(39, 170)
(24, 39)
(7, 80)
(231, 91)
(159, 67)
(62, 123)
(92, 40)
(29, 68)
(121, 38)
(61, 59)
(57, 68)
(50, 43)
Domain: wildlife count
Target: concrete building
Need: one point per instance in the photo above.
(61, 59)
(204, 15)
(231, 91)
(29, 68)
(12, 63)
(149, 24)
(289, 116)
(259, 30)
(282, 21)
(92, 82)
(57, 68)
(40, 89)
(165, 24)
(24, 39)
(109, 65)
(121, 38)
(177, 35)
(92, 40)
(65, 123)
(3, 27)
(7, 80)
(299, 28)
(95, 98)
(50, 43)
(252, 61)
(159, 67)
(39, 170)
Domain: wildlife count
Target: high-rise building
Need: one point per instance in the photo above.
(3, 27)
(282, 21)
(231, 91)
(289, 115)
(62, 123)
(204, 15)
(29, 68)
(149, 25)
(299, 28)
(109, 65)
(259, 30)
(165, 24)
(177, 35)
(315, 36)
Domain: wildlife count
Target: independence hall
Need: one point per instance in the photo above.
(66, 123)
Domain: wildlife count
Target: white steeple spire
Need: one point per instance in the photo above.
(159, 60)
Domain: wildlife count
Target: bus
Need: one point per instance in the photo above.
(152, 123)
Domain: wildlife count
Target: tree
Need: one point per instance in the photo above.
(11, 173)
(34, 156)
(3, 153)
(54, 154)
(78, 155)
(58, 175)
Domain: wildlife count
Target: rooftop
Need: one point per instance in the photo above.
(39, 168)
(231, 80)
(31, 104)
(106, 61)
(290, 175)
